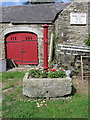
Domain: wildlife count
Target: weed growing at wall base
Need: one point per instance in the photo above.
(87, 41)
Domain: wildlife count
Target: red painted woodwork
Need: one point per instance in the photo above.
(22, 48)
(45, 46)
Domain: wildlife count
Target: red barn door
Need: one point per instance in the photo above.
(22, 48)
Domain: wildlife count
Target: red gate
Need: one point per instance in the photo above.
(22, 48)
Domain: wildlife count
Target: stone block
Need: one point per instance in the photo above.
(46, 87)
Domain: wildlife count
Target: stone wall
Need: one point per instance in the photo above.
(72, 34)
(6, 28)
(89, 17)
(75, 34)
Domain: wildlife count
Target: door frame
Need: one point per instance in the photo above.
(22, 28)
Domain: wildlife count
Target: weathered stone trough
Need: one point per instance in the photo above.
(46, 87)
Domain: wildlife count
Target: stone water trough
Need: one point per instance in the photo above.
(46, 87)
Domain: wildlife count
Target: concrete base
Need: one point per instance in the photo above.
(46, 87)
(2, 65)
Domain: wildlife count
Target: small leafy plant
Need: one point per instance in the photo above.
(34, 73)
(57, 74)
(46, 74)
(87, 41)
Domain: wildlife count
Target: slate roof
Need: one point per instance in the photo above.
(32, 13)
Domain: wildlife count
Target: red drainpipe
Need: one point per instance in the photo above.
(45, 26)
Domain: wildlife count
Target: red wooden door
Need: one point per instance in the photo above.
(22, 48)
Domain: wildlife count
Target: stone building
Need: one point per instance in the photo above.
(26, 19)
(21, 24)
(72, 28)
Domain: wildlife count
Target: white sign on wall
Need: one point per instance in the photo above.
(77, 18)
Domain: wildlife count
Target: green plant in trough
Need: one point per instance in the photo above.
(34, 73)
(44, 74)
(57, 74)
(87, 41)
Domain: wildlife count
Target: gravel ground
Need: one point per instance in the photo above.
(80, 86)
